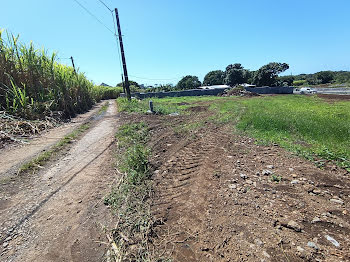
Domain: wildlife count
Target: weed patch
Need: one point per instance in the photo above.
(130, 200)
(103, 109)
(305, 125)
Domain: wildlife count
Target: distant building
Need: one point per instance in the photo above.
(214, 87)
(248, 85)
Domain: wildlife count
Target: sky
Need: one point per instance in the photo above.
(165, 40)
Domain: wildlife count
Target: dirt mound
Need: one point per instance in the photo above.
(238, 92)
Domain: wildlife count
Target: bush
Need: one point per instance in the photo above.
(104, 92)
(299, 82)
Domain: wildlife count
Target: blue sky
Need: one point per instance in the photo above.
(168, 39)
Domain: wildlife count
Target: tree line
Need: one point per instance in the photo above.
(322, 77)
(236, 74)
(267, 75)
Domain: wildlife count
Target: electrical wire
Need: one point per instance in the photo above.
(105, 5)
(110, 30)
(156, 79)
(118, 47)
(93, 16)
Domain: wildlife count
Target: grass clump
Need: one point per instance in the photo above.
(130, 200)
(142, 106)
(103, 108)
(276, 178)
(42, 158)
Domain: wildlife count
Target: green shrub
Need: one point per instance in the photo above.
(105, 92)
(299, 82)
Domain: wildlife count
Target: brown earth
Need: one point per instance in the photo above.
(334, 98)
(58, 214)
(215, 198)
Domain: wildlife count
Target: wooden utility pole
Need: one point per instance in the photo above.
(123, 83)
(71, 58)
(126, 79)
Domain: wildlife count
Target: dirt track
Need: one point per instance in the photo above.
(58, 214)
(14, 156)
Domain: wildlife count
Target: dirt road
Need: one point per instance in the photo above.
(58, 214)
(13, 157)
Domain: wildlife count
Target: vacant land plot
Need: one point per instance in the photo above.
(236, 179)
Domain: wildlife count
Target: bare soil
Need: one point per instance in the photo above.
(334, 98)
(219, 196)
(58, 214)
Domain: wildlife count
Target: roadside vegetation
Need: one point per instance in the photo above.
(130, 199)
(162, 106)
(142, 106)
(306, 125)
(33, 85)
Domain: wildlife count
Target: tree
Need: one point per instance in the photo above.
(188, 82)
(131, 83)
(235, 74)
(285, 80)
(267, 74)
(214, 78)
(325, 77)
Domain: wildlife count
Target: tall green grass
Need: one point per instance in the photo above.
(34, 85)
(106, 92)
(307, 125)
(130, 200)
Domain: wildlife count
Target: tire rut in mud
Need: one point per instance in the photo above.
(181, 193)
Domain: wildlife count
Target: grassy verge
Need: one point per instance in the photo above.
(44, 157)
(162, 106)
(130, 200)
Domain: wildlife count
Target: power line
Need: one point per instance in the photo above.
(110, 30)
(159, 79)
(106, 6)
(93, 16)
